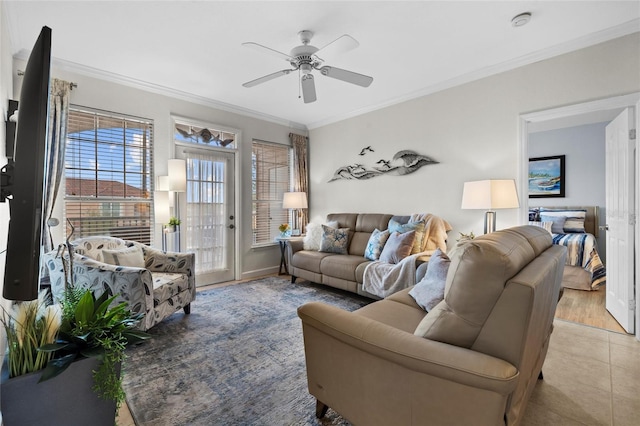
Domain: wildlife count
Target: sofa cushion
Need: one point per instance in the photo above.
(375, 244)
(398, 247)
(334, 240)
(343, 266)
(309, 260)
(130, 256)
(394, 313)
(418, 227)
(430, 290)
(477, 275)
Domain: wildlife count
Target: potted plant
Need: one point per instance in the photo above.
(285, 230)
(79, 347)
(173, 222)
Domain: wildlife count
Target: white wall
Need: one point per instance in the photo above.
(584, 150)
(111, 96)
(472, 130)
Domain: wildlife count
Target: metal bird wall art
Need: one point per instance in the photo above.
(403, 163)
(206, 135)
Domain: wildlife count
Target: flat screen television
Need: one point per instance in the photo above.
(23, 176)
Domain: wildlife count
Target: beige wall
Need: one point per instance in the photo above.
(472, 130)
(110, 96)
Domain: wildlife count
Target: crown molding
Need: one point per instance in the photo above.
(76, 68)
(592, 39)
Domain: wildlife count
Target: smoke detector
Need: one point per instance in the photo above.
(521, 19)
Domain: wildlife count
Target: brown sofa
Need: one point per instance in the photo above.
(474, 359)
(345, 271)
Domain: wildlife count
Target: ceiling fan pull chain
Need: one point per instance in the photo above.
(299, 84)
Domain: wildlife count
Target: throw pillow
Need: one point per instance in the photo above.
(334, 240)
(546, 225)
(398, 247)
(418, 227)
(574, 219)
(430, 290)
(376, 243)
(130, 256)
(557, 227)
(313, 238)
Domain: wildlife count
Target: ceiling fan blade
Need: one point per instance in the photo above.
(266, 78)
(342, 44)
(348, 76)
(267, 50)
(308, 89)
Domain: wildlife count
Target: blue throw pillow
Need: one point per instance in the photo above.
(557, 227)
(395, 226)
(430, 290)
(376, 243)
(398, 247)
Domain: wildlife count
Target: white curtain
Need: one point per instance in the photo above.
(207, 210)
(54, 161)
(300, 173)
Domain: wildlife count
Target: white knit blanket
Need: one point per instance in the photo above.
(384, 279)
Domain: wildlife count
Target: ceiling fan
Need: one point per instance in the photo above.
(305, 58)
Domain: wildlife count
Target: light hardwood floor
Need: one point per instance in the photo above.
(587, 307)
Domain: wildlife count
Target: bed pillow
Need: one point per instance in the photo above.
(334, 240)
(557, 226)
(574, 219)
(130, 256)
(545, 225)
(418, 227)
(430, 290)
(398, 247)
(313, 238)
(533, 215)
(376, 243)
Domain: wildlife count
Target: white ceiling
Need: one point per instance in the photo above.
(193, 49)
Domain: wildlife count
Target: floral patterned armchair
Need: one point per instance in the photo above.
(161, 284)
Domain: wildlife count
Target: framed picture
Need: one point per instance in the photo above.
(546, 177)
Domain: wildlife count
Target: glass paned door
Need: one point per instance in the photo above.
(209, 225)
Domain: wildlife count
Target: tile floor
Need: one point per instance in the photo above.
(591, 377)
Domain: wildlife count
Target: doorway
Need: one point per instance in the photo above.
(210, 223)
(591, 112)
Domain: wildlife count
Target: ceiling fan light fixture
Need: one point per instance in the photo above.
(521, 19)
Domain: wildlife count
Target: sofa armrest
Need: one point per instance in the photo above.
(441, 360)
(294, 246)
(168, 261)
(131, 285)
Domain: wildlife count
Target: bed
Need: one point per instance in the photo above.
(577, 229)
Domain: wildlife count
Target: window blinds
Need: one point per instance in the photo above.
(108, 169)
(270, 180)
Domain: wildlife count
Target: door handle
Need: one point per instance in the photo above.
(603, 228)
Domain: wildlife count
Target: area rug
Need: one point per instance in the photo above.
(238, 359)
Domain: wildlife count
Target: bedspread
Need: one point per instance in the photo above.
(582, 251)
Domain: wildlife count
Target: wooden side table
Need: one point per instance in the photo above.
(283, 252)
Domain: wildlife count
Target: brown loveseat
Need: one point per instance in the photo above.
(474, 359)
(345, 271)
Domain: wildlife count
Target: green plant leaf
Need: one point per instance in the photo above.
(52, 347)
(56, 366)
(84, 309)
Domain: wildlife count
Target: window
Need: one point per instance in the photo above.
(108, 169)
(269, 181)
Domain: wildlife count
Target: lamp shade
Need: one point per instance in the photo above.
(163, 183)
(177, 175)
(490, 194)
(294, 200)
(161, 206)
